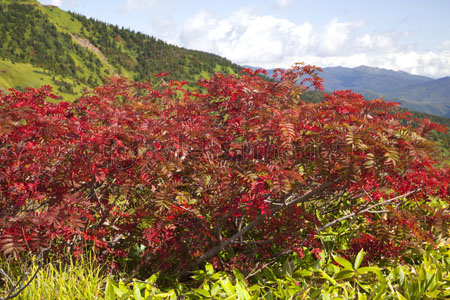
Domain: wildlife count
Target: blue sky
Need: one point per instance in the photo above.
(408, 35)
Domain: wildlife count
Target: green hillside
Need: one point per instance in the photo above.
(22, 75)
(45, 45)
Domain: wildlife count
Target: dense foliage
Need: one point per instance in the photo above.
(237, 172)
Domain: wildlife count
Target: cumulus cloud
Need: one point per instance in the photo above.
(378, 43)
(268, 42)
(244, 37)
(430, 63)
(335, 38)
(264, 40)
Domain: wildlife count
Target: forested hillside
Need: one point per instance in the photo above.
(71, 52)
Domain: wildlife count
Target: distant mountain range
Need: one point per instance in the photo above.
(415, 92)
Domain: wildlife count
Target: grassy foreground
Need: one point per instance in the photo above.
(330, 277)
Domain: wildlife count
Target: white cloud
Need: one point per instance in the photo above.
(245, 38)
(378, 42)
(335, 38)
(264, 41)
(268, 42)
(429, 63)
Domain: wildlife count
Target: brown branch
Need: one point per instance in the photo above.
(363, 210)
(367, 209)
(305, 197)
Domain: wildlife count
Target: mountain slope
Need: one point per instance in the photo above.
(436, 91)
(414, 92)
(72, 52)
(370, 80)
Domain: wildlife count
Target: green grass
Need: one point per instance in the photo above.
(21, 75)
(62, 20)
(82, 279)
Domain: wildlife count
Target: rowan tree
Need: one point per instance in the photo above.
(235, 171)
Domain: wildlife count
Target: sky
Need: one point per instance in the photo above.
(407, 35)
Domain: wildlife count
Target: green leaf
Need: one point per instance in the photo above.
(171, 295)
(137, 293)
(400, 296)
(209, 269)
(109, 290)
(430, 283)
(122, 290)
(202, 292)
(343, 262)
(228, 286)
(374, 269)
(365, 287)
(364, 270)
(362, 296)
(241, 292)
(287, 267)
(303, 273)
(344, 274)
(269, 295)
(238, 275)
(215, 289)
(327, 277)
(380, 291)
(401, 275)
(152, 279)
(359, 259)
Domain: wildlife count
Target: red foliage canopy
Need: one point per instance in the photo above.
(240, 167)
